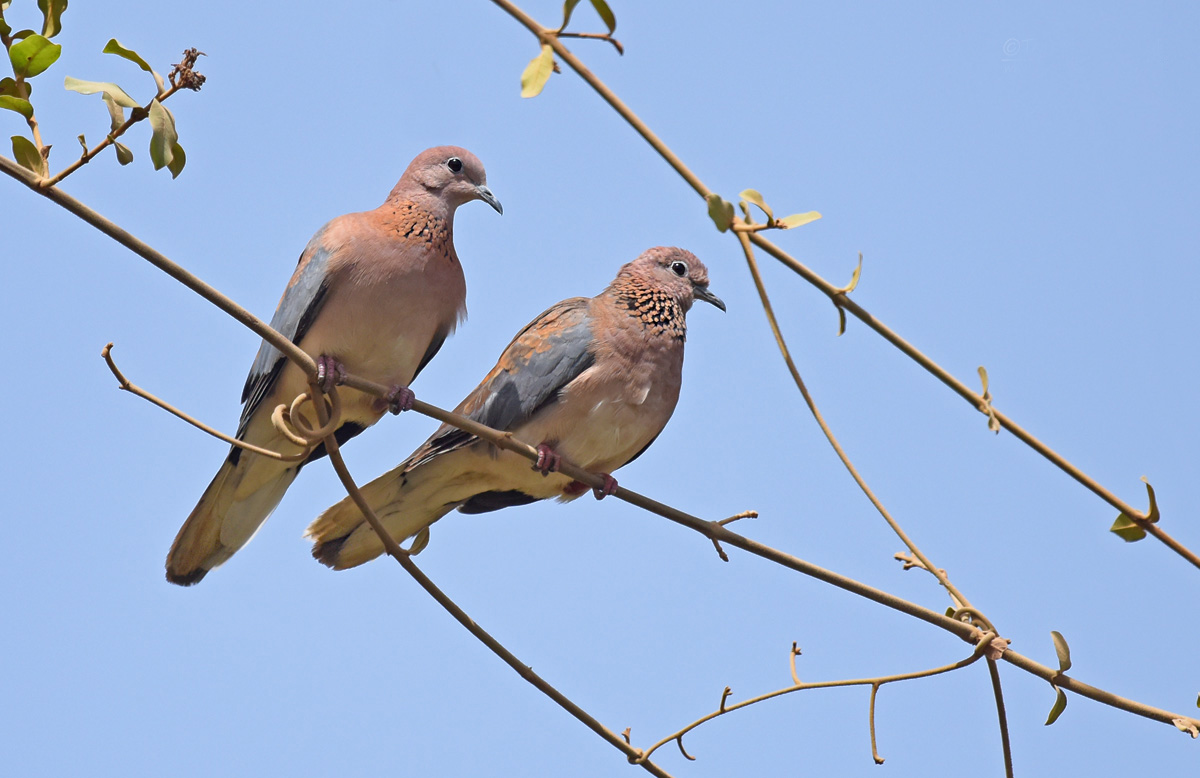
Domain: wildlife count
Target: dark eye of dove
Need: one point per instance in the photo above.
(679, 268)
(455, 164)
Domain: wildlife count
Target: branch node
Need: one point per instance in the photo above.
(182, 76)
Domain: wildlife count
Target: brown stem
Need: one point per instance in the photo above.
(994, 673)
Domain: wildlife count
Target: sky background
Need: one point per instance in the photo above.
(1023, 182)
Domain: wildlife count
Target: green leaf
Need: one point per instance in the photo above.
(753, 196)
(568, 9)
(950, 612)
(1062, 649)
(606, 14)
(124, 155)
(114, 47)
(798, 219)
(52, 11)
(720, 211)
(1060, 704)
(33, 55)
(537, 72)
(16, 104)
(9, 87)
(178, 160)
(4, 28)
(1126, 528)
(22, 35)
(164, 138)
(116, 114)
(83, 142)
(27, 156)
(118, 95)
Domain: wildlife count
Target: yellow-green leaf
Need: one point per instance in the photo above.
(16, 104)
(33, 55)
(164, 138)
(1152, 513)
(83, 142)
(1127, 529)
(606, 14)
(720, 211)
(27, 156)
(114, 47)
(116, 93)
(752, 195)
(850, 287)
(124, 155)
(1062, 649)
(568, 9)
(52, 11)
(116, 114)
(798, 219)
(178, 160)
(537, 72)
(1060, 704)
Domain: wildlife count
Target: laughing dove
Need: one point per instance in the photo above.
(591, 380)
(375, 294)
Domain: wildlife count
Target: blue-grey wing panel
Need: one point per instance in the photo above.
(295, 314)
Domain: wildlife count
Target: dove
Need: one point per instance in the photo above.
(375, 294)
(591, 380)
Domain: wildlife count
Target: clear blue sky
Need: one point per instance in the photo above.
(1022, 181)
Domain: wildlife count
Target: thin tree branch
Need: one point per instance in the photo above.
(994, 673)
(403, 557)
(976, 401)
(135, 116)
(959, 598)
(984, 642)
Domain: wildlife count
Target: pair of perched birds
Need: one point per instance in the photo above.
(375, 294)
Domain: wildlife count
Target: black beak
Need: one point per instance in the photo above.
(702, 293)
(486, 195)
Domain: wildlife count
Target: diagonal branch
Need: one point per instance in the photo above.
(404, 558)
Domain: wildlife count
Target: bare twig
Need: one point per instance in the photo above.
(874, 683)
(994, 674)
(960, 600)
(126, 385)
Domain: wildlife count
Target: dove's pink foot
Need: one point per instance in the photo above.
(399, 398)
(330, 372)
(548, 459)
(610, 486)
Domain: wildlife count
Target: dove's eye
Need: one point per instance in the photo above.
(455, 164)
(679, 268)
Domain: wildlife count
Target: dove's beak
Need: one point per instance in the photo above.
(702, 293)
(485, 194)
